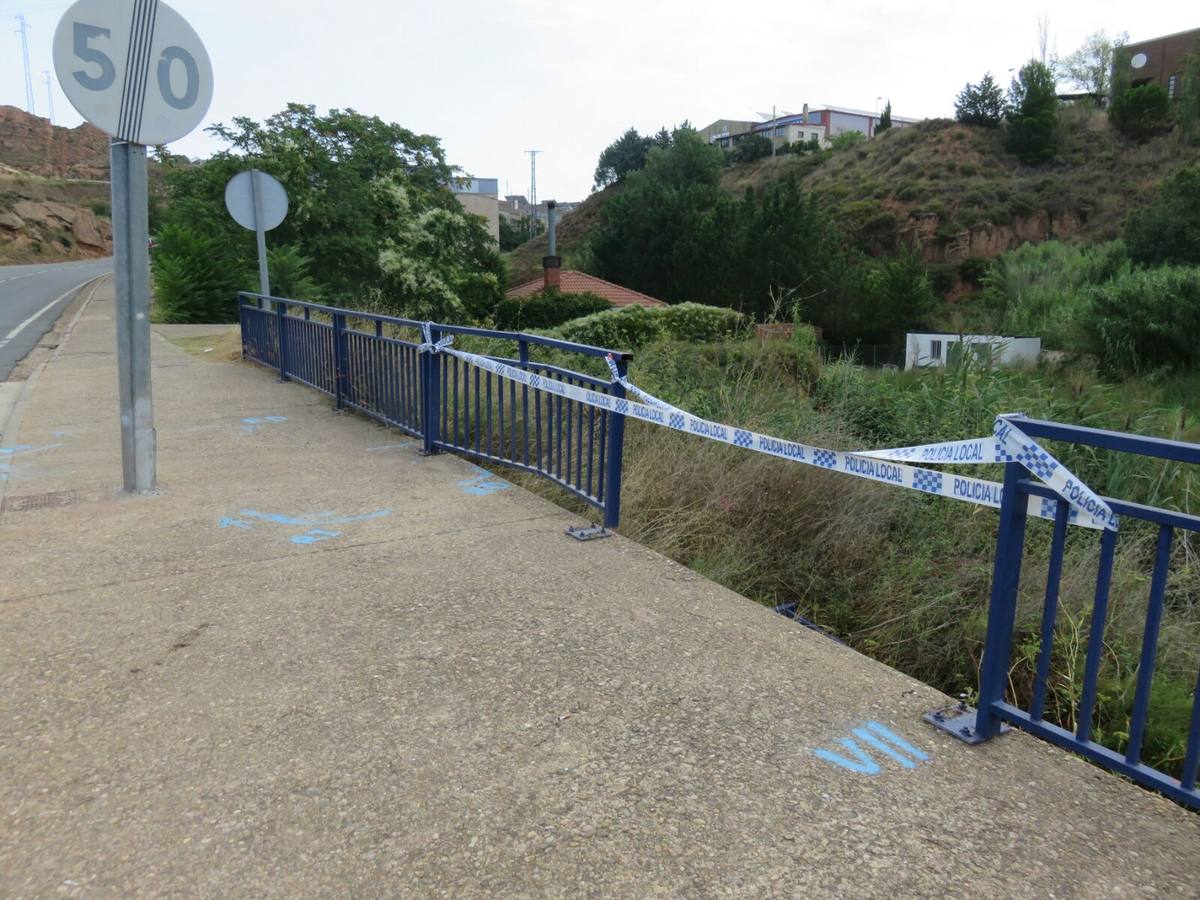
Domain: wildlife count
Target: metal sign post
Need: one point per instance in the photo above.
(259, 203)
(136, 70)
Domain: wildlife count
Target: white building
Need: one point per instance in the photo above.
(821, 125)
(924, 349)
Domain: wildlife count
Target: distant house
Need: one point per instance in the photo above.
(570, 281)
(481, 197)
(933, 349)
(516, 206)
(823, 125)
(1160, 60)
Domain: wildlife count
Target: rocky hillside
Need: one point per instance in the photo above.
(54, 192)
(31, 144)
(949, 188)
(952, 189)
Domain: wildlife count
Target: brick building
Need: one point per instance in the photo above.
(1160, 60)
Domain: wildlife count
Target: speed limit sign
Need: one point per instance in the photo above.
(133, 68)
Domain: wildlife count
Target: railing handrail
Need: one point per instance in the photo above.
(1155, 514)
(1160, 448)
(470, 330)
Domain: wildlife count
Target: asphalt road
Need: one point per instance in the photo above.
(32, 297)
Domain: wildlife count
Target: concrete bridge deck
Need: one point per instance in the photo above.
(319, 664)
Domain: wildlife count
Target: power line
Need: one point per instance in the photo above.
(23, 30)
(49, 92)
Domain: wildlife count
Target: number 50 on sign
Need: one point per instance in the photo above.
(133, 68)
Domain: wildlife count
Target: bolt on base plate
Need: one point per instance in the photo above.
(588, 532)
(958, 720)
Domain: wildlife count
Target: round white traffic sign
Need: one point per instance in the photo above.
(133, 68)
(239, 199)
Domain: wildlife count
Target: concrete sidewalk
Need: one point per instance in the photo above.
(319, 664)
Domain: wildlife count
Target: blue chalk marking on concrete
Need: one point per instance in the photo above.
(483, 483)
(864, 766)
(312, 537)
(871, 734)
(894, 738)
(312, 522)
(312, 519)
(253, 423)
(883, 748)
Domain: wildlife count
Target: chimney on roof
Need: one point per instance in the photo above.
(551, 264)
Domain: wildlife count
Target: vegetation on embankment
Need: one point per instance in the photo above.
(902, 576)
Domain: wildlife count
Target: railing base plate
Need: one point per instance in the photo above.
(958, 720)
(588, 532)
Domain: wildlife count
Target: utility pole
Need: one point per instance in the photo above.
(533, 178)
(23, 30)
(533, 190)
(49, 93)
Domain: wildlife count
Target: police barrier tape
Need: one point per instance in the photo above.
(883, 466)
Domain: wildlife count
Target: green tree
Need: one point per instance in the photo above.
(357, 187)
(665, 234)
(1032, 134)
(1141, 111)
(1168, 229)
(623, 156)
(885, 119)
(1187, 109)
(980, 104)
(750, 148)
(516, 231)
(1090, 66)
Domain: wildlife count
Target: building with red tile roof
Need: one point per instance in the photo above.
(571, 281)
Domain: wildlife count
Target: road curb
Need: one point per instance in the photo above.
(12, 424)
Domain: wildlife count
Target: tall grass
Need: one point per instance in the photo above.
(905, 577)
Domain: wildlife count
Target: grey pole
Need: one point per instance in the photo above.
(264, 280)
(131, 270)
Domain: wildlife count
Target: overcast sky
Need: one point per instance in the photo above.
(493, 78)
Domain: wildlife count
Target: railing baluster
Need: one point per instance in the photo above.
(500, 414)
(1154, 610)
(1006, 573)
(476, 423)
(457, 441)
(1091, 671)
(568, 406)
(488, 411)
(616, 445)
(591, 451)
(523, 356)
(513, 454)
(579, 445)
(1062, 516)
(537, 427)
(1191, 758)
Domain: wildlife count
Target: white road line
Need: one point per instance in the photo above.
(45, 309)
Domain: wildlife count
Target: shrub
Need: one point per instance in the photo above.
(972, 269)
(196, 278)
(290, 274)
(1168, 230)
(1040, 289)
(101, 208)
(847, 140)
(1146, 319)
(700, 324)
(546, 310)
(1140, 112)
(750, 148)
(636, 326)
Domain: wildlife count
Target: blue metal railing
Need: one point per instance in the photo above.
(993, 709)
(446, 402)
